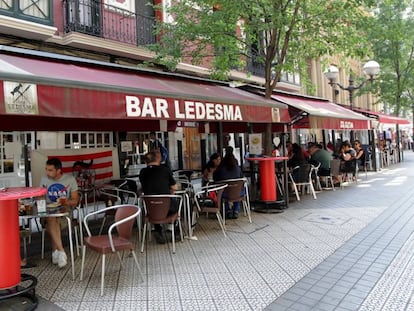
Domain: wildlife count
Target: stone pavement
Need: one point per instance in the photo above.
(350, 249)
(374, 270)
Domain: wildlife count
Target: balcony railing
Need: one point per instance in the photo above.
(257, 68)
(95, 18)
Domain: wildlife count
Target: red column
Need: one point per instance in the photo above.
(267, 180)
(9, 244)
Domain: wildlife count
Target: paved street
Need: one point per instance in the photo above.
(351, 249)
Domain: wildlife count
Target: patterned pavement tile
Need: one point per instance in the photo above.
(311, 249)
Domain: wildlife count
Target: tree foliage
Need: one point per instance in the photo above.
(392, 35)
(282, 35)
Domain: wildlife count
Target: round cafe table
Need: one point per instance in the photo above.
(9, 232)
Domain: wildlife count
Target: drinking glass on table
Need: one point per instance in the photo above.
(62, 201)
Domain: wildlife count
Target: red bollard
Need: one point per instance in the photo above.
(9, 244)
(267, 180)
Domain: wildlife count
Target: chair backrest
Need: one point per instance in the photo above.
(187, 174)
(124, 229)
(206, 192)
(304, 173)
(349, 166)
(233, 191)
(157, 207)
(219, 195)
(335, 167)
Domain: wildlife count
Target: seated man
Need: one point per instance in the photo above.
(323, 157)
(157, 179)
(60, 188)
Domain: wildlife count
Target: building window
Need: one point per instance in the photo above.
(39, 11)
(11, 151)
(128, 5)
(81, 140)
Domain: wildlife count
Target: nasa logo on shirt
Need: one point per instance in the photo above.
(55, 191)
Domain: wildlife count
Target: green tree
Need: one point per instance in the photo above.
(282, 35)
(392, 35)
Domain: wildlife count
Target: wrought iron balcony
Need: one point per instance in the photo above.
(257, 68)
(95, 18)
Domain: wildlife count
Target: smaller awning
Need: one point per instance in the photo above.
(383, 118)
(308, 112)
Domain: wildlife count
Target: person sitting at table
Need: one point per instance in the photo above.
(158, 179)
(229, 169)
(61, 188)
(347, 155)
(297, 159)
(324, 157)
(359, 153)
(209, 168)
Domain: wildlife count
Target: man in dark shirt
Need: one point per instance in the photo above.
(157, 179)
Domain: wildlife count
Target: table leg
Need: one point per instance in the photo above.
(71, 246)
(187, 214)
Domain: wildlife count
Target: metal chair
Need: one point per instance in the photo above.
(350, 170)
(303, 178)
(206, 203)
(184, 174)
(76, 225)
(367, 165)
(110, 243)
(236, 191)
(186, 190)
(122, 197)
(315, 176)
(157, 211)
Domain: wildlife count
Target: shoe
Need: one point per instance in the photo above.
(235, 215)
(229, 216)
(159, 237)
(55, 257)
(62, 260)
(177, 236)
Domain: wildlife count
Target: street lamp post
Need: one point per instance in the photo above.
(371, 69)
(412, 137)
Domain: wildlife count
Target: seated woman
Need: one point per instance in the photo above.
(297, 159)
(209, 168)
(229, 169)
(347, 155)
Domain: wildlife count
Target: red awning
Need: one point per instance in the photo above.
(77, 94)
(307, 112)
(382, 117)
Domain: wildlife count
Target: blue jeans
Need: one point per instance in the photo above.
(236, 205)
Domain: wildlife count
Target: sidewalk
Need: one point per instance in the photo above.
(374, 270)
(350, 249)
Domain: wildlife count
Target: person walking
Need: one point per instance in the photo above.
(155, 144)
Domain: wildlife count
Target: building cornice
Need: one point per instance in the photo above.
(26, 29)
(91, 43)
